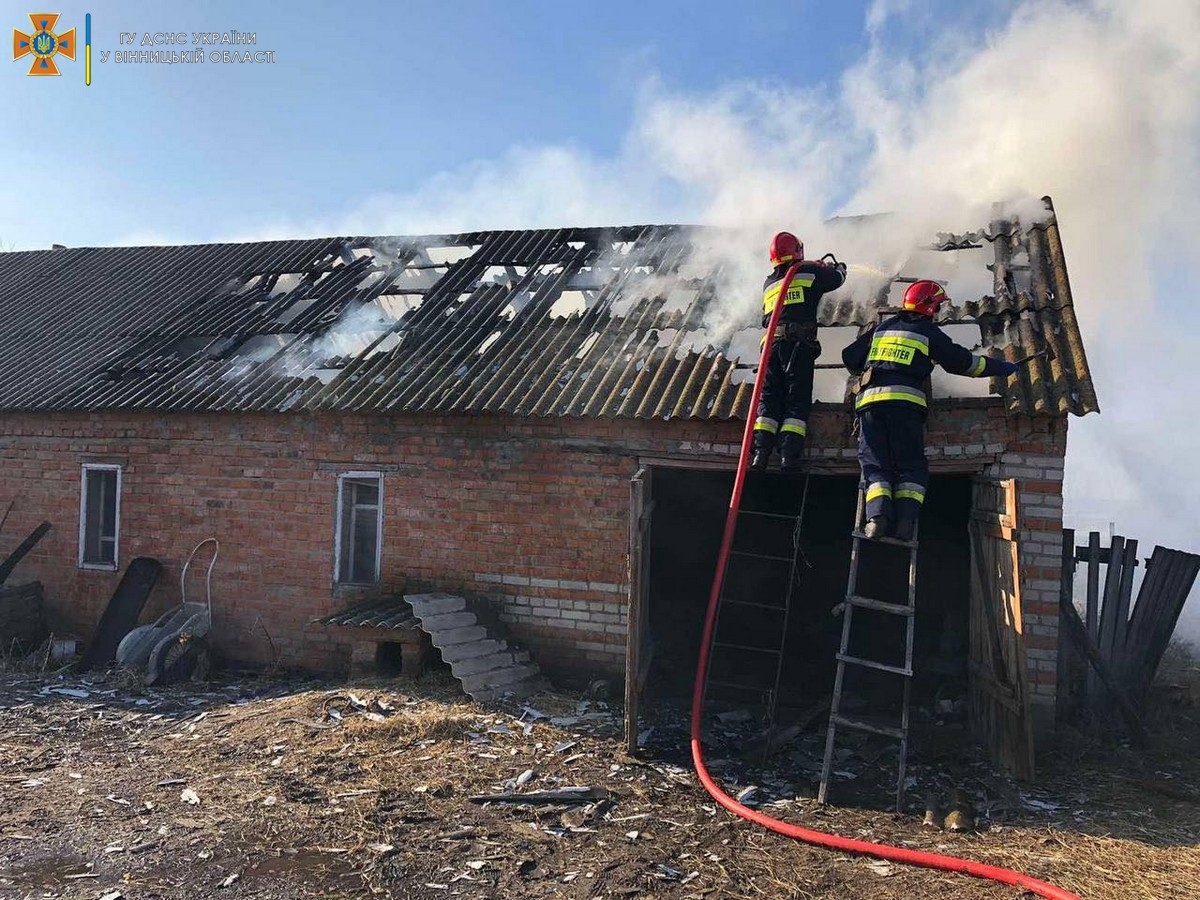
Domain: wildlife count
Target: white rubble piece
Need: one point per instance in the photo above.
(484, 663)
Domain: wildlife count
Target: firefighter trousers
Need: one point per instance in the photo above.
(786, 397)
(891, 451)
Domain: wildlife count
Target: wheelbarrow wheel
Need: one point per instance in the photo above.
(186, 658)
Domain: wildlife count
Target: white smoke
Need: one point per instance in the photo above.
(1095, 103)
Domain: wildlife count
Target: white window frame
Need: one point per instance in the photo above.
(337, 529)
(83, 475)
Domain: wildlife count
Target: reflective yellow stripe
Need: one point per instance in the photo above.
(875, 491)
(795, 292)
(796, 426)
(977, 367)
(762, 423)
(919, 496)
(893, 392)
(893, 348)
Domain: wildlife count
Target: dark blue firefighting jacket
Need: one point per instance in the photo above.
(901, 353)
(811, 282)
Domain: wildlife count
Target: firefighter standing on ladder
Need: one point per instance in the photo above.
(894, 359)
(782, 414)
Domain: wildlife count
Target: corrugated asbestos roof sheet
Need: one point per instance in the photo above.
(388, 612)
(573, 322)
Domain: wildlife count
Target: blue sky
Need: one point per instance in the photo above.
(367, 99)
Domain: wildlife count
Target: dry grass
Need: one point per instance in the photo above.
(299, 802)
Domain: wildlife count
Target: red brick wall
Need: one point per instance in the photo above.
(533, 512)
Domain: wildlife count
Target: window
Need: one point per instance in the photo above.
(360, 526)
(99, 516)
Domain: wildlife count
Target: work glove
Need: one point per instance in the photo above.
(1008, 368)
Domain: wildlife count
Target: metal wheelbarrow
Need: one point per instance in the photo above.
(174, 648)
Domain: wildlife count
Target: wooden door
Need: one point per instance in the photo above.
(638, 648)
(999, 695)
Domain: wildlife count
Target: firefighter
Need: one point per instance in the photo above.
(782, 415)
(895, 358)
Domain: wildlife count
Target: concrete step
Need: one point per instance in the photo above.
(454, 636)
(435, 604)
(482, 664)
(447, 621)
(455, 653)
(498, 678)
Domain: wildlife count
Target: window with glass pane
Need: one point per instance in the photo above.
(100, 500)
(358, 535)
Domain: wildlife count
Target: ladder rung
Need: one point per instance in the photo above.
(872, 664)
(786, 559)
(859, 725)
(746, 647)
(755, 512)
(897, 609)
(912, 545)
(773, 606)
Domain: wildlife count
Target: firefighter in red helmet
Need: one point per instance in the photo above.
(782, 415)
(894, 359)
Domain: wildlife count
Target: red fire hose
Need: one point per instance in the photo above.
(809, 836)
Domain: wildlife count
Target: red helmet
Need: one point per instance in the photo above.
(924, 297)
(786, 248)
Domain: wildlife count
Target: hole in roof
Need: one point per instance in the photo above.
(423, 279)
(571, 303)
(516, 304)
(622, 247)
(448, 255)
(576, 245)
(591, 278)
(587, 345)
(392, 307)
(286, 283)
(502, 275)
(293, 310)
(251, 283)
(488, 341)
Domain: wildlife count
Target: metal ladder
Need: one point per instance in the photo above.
(846, 610)
(770, 696)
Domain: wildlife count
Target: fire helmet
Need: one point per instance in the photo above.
(924, 297)
(786, 248)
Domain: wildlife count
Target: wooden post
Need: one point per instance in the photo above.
(1092, 609)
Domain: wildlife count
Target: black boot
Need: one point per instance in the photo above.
(904, 530)
(759, 459)
(791, 454)
(876, 528)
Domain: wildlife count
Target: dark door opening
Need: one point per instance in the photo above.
(688, 516)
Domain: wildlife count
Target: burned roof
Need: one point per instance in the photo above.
(570, 322)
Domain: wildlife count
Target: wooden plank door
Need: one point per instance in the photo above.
(999, 695)
(637, 640)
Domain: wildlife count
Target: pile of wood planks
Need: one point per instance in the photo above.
(1111, 652)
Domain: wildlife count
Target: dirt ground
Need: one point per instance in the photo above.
(269, 789)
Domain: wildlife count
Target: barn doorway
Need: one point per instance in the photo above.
(679, 531)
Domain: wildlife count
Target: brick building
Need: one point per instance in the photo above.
(506, 415)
